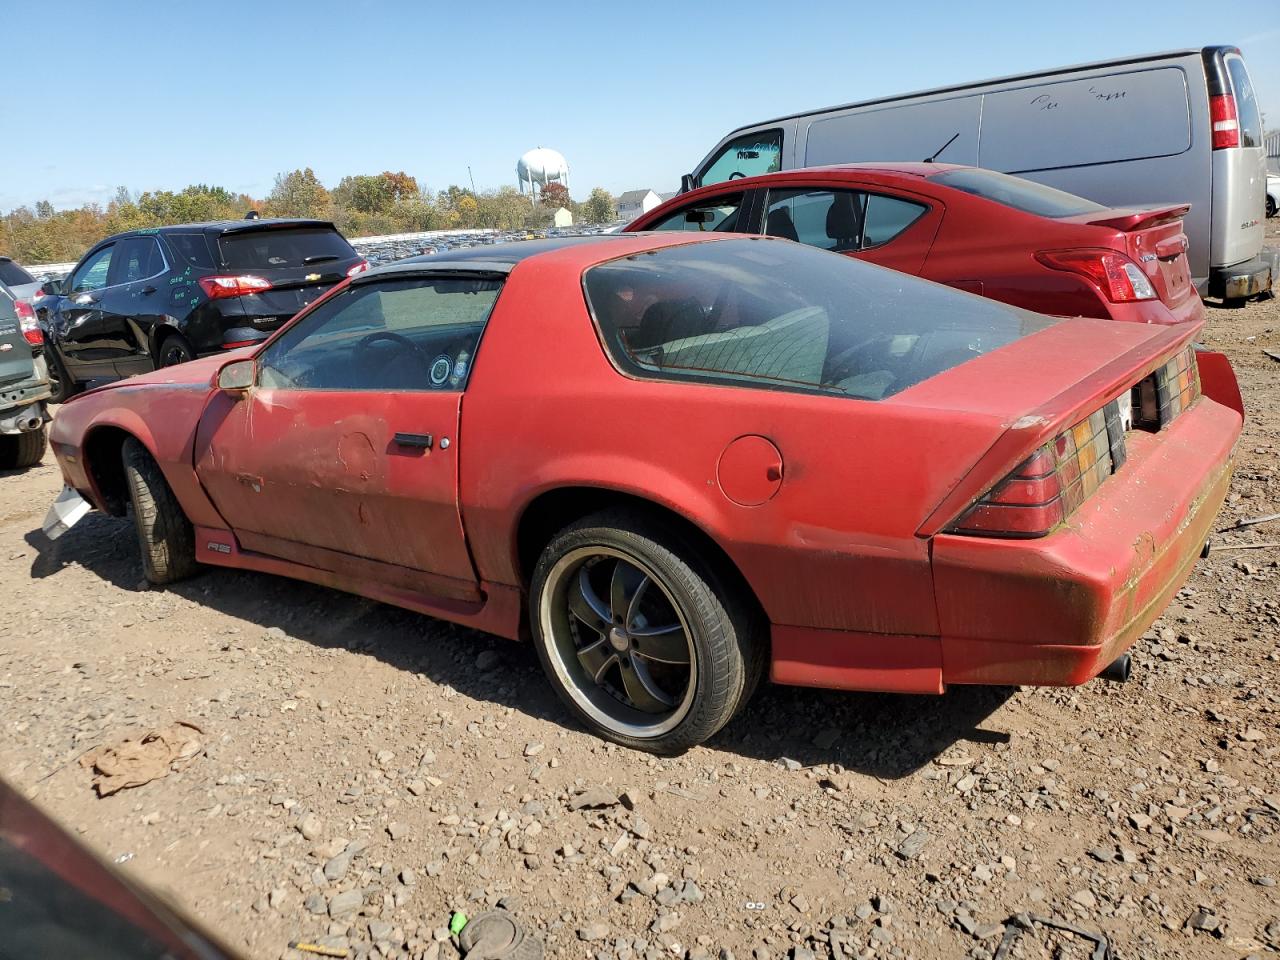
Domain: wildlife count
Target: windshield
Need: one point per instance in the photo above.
(777, 315)
(267, 249)
(1024, 195)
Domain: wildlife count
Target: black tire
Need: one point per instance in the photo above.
(720, 629)
(61, 385)
(1271, 207)
(165, 536)
(173, 350)
(21, 450)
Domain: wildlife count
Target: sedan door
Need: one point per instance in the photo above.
(890, 228)
(344, 455)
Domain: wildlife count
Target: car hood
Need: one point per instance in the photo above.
(196, 372)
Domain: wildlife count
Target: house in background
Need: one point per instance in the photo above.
(563, 218)
(635, 202)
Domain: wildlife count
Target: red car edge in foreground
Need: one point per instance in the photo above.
(984, 232)
(688, 458)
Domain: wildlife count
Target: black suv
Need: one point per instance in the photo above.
(152, 298)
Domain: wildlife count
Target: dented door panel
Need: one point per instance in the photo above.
(322, 472)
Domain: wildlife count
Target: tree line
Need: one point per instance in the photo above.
(363, 205)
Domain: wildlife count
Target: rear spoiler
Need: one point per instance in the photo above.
(1130, 220)
(252, 226)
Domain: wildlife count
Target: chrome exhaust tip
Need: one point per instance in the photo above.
(1118, 670)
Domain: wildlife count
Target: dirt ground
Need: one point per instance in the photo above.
(366, 772)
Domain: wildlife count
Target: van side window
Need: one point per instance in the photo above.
(719, 214)
(745, 156)
(838, 220)
(1246, 104)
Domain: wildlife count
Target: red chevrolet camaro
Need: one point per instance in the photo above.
(675, 461)
(981, 231)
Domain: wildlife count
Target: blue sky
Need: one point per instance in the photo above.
(159, 95)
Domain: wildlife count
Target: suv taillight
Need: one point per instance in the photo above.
(31, 331)
(360, 267)
(218, 288)
(1119, 278)
(1226, 125)
(1052, 482)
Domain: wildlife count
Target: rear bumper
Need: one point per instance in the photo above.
(1057, 610)
(1246, 279)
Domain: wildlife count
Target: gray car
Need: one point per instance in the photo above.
(24, 387)
(22, 285)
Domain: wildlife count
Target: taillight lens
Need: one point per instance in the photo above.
(218, 288)
(1051, 483)
(1226, 125)
(31, 331)
(360, 267)
(1119, 278)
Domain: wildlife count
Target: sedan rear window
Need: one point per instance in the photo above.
(1015, 192)
(268, 249)
(774, 315)
(14, 275)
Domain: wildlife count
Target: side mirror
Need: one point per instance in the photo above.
(687, 183)
(51, 288)
(237, 376)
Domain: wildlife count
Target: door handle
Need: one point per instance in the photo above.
(147, 290)
(422, 441)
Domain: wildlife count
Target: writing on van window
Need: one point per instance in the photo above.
(1105, 95)
(1045, 102)
(748, 154)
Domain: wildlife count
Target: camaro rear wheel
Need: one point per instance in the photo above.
(637, 635)
(164, 532)
(21, 450)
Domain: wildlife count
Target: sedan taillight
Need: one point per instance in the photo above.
(1119, 278)
(218, 288)
(31, 331)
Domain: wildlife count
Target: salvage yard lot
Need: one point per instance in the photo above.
(839, 823)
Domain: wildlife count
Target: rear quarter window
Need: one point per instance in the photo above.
(767, 314)
(279, 249)
(193, 248)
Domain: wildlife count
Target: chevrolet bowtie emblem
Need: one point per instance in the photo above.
(312, 276)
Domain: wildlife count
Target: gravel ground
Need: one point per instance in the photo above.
(366, 771)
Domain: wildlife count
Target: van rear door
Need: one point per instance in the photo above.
(1239, 160)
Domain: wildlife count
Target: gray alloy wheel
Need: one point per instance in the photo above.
(637, 636)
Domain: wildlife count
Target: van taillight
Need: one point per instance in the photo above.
(1226, 126)
(1050, 484)
(31, 331)
(1119, 278)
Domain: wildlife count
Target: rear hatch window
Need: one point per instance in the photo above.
(1017, 193)
(14, 275)
(300, 264)
(775, 315)
(1250, 118)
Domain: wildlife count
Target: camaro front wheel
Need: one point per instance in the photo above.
(164, 532)
(637, 635)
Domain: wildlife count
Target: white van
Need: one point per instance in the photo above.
(1180, 127)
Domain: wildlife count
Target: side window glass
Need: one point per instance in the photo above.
(829, 219)
(413, 334)
(92, 274)
(746, 156)
(720, 214)
(136, 258)
(192, 248)
(1247, 111)
(887, 217)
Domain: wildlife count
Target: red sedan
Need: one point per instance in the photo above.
(977, 230)
(674, 461)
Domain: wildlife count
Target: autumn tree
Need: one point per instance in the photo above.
(599, 207)
(556, 195)
(298, 194)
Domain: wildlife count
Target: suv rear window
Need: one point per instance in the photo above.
(279, 249)
(785, 316)
(13, 275)
(1024, 195)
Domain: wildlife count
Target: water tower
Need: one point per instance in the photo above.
(539, 167)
